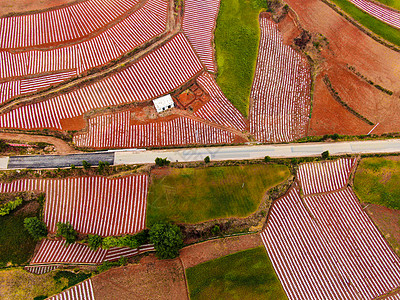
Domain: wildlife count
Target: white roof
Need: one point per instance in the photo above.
(163, 101)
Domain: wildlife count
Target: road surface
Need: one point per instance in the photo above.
(198, 154)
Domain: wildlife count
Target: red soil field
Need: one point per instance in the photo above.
(371, 59)
(21, 6)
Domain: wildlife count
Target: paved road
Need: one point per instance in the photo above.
(198, 154)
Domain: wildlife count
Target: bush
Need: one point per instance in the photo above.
(94, 241)
(36, 228)
(167, 240)
(162, 161)
(66, 231)
(110, 241)
(325, 154)
(267, 159)
(72, 167)
(86, 165)
(216, 230)
(102, 165)
(143, 237)
(109, 264)
(207, 159)
(3, 145)
(128, 241)
(6, 208)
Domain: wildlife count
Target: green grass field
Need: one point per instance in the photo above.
(16, 245)
(377, 181)
(192, 195)
(236, 43)
(378, 27)
(392, 3)
(244, 275)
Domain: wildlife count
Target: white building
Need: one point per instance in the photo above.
(163, 103)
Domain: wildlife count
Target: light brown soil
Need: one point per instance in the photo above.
(209, 250)
(61, 146)
(388, 222)
(150, 279)
(21, 6)
(373, 60)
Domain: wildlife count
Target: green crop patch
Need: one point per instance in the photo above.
(192, 195)
(244, 275)
(392, 3)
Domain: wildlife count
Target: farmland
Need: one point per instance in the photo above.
(376, 181)
(236, 42)
(196, 195)
(247, 274)
(281, 90)
(391, 3)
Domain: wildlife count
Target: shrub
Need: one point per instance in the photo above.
(162, 161)
(86, 165)
(335, 136)
(267, 159)
(110, 241)
(294, 161)
(207, 159)
(6, 208)
(67, 231)
(143, 237)
(167, 240)
(109, 264)
(94, 241)
(216, 230)
(72, 167)
(36, 228)
(128, 241)
(325, 154)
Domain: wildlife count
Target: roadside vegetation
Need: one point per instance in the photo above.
(192, 195)
(392, 3)
(237, 36)
(377, 181)
(378, 27)
(244, 275)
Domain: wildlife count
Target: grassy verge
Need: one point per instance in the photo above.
(236, 43)
(392, 3)
(16, 245)
(19, 284)
(244, 275)
(377, 181)
(378, 27)
(191, 195)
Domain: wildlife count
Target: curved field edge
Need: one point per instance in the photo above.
(391, 3)
(376, 26)
(194, 195)
(377, 181)
(237, 36)
(246, 274)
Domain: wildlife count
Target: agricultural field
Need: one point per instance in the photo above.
(193, 195)
(244, 275)
(391, 3)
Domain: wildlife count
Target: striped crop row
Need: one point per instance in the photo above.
(38, 270)
(60, 25)
(386, 15)
(326, 247)
(115, 131)
(95, 205)
(81, 291)
(280, 95)
(198, 24)
(10, 89)
(325, 177)
(156, 74)
(142, 25)
(218, 110)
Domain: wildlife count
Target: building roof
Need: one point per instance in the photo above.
(163, 102)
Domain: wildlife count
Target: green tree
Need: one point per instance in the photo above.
(267, 159)
(67, 231)
(110, 241)
(325, 154)
(86, 165)
(207, 159)
(94, 241)
(162, 161)
(167, 240)
(128, 241)
(36, 228)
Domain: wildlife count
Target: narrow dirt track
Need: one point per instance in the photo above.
(61, 146)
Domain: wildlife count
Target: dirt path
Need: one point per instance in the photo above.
(209, 250)
(150, 279)
(61, 146)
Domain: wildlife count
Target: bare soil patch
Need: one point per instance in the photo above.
(22, 6)
(388, 222)
(209, 250)
(350, 48)
(150, 279)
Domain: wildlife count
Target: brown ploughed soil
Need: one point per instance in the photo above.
(388, 222)
(61, 146)
(150, 279)
(21, 6)
(209, 250)
(348, 45)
